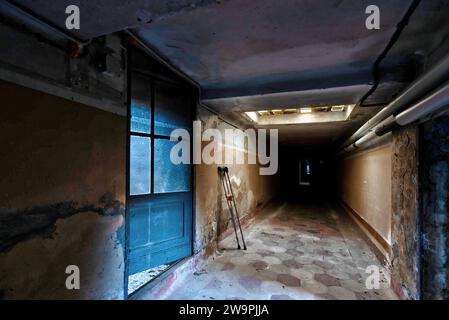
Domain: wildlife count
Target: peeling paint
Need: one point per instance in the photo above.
(251, 191)
(19, 225)
(35, 268)
(405, 219)
(63, 197)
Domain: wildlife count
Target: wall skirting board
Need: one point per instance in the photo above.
(381, 247)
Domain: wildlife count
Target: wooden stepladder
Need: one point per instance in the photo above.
(230, 199)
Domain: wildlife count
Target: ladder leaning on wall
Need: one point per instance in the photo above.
(230, 199)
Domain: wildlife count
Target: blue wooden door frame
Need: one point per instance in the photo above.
(168, 242)
(168, 218)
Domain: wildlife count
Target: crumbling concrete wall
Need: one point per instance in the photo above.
(435, 208)
(62, 197)
(405, 220)
(252, 191)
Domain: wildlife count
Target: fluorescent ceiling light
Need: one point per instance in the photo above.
(305, 110)
(337, 108)
(301, 115)
(253, 116)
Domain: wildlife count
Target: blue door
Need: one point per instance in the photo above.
(160, 192)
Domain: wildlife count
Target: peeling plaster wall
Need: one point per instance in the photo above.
(404, 224)
(435, 208)
(252, 192)
(62, 195)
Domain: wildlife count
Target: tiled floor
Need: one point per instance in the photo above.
(294, 252)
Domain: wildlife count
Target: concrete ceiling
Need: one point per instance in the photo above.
(253, 55)
(249, 55)
(243, 48)
(101, 17)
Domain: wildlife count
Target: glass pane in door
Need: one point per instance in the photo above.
(169, 177)
(140, 165)
(172, 108)
(140, 104)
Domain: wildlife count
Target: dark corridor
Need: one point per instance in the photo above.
(331, 117)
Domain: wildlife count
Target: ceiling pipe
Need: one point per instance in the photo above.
(386, 126)
(428, 81)
(370, 140)
(436, 103)
(365, 138)
(433, 103)
(396, 35)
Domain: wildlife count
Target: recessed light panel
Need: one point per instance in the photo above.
(301, 115)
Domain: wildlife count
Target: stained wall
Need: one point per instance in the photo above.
(252, 190)
(62, 199)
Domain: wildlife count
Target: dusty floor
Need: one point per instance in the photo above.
(294, 252)
(137, 280)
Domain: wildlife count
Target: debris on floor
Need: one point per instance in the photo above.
(137, 280)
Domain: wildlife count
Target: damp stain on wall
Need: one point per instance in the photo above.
(63, 173)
